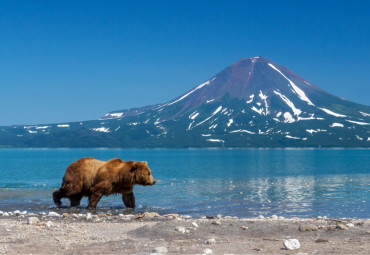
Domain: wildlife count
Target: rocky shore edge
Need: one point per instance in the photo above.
(151, 233)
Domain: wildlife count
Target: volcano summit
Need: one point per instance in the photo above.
(252, 103)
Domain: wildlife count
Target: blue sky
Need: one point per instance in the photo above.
(76, 60)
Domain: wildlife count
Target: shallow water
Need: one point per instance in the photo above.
(243, 183)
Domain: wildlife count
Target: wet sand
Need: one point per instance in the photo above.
(27, 233)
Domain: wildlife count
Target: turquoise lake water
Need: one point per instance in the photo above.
(244, 183)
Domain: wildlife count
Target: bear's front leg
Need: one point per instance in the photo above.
(94, 200)
(129, 200)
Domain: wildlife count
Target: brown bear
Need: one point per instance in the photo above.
(94, 178)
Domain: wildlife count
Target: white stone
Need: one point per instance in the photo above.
(350, 225)
(210, 241)
(160, 250)
(181, 229)
(292, 244)
(24, 212)
(53, 214)
(17, 212)
(88, 216)
(5, 214)
(195, 224)
(33, 220)
(274, 217)
(207, 251)
(187, 217)
(49, 224)
(261, 217)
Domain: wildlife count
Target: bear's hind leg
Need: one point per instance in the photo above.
(129, 200)
(94, 200)
(75, 200)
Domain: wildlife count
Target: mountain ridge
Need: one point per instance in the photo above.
(254, 102)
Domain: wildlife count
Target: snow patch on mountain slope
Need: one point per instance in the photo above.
(264, 97)
(311, 131)
(295, 110)
(292, 137)
(190, 92)
(213, 114)
(259, 111)
(365, 114)
(113, 115)
(288, 118)
(193, 115)
(358, 122)
(251, 99)
(230, 122)
(101, 129)
(332, 113)
(242, 131)
(336, 125)
(299, 92)
(216, 140)
(359, 138)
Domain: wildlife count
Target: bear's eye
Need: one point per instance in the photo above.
(148, 173)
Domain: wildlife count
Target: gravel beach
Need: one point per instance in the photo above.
(150, 233)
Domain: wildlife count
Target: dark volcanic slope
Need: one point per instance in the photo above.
(252, 103)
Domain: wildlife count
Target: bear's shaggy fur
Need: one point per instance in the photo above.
(94, 178)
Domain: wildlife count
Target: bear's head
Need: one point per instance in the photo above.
(142, 173)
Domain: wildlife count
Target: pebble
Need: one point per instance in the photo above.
(180, 229)
(292, 244)
(261, 217)
(219, 216)
(17, 212)
(207, 251)
(244, 227)
(217, 222)
(151, 214)
(274, 217)
(187, 217)
(33, 220)
(160, 250)
(5, 214)
(331, 227)
(210, 241)
(65, 215)
(49, 224)
(88, 216)
(195, 224)
(308, 227)
(54, 214)
(350, 225)
(342, 226)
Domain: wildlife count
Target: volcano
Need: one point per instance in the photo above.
(252, 103)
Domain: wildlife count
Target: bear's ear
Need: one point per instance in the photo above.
(146, 163)
(134, 167)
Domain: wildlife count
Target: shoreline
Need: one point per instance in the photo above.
(149, 232)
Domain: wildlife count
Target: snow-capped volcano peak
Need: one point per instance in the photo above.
(254, 95)
(254, 102)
